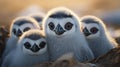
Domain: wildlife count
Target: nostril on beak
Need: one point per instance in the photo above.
(86, 32)
(19, 33)
(59, 30)
(35, 48)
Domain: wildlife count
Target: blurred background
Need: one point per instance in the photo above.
(107, 10)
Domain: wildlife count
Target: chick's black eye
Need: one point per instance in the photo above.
(51, 25)
(27, 45)
(42, 44)
(68, 26)
(94, 30)
(26, 29)
(14, 31)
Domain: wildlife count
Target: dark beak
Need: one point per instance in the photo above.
(59, 30)
(19, 33)
(35, 48)
(86, 32)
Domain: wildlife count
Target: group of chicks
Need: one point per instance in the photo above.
(37, 39)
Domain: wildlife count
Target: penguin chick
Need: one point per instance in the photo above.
(17, 28)
(97, 35)
(31, 49)
(62, 29)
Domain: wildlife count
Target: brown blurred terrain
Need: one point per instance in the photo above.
(111, 59)
(118, 40)
(9, 9)
(4, 34)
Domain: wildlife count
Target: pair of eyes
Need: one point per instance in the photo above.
(94, 30)
(67, 26)
(41, 45)
(26, 29)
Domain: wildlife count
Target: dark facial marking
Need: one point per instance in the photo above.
(89, 20)
(33, 36)
(21, 22)
(38, 18)
(14, 31)
(27, 45)
(61, 15)
(42, 44)
(51, 25)
(26, 29)
(68, 26)
(93, 30)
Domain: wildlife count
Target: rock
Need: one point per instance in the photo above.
(111, 59)
(47, 64)
(66, 60)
